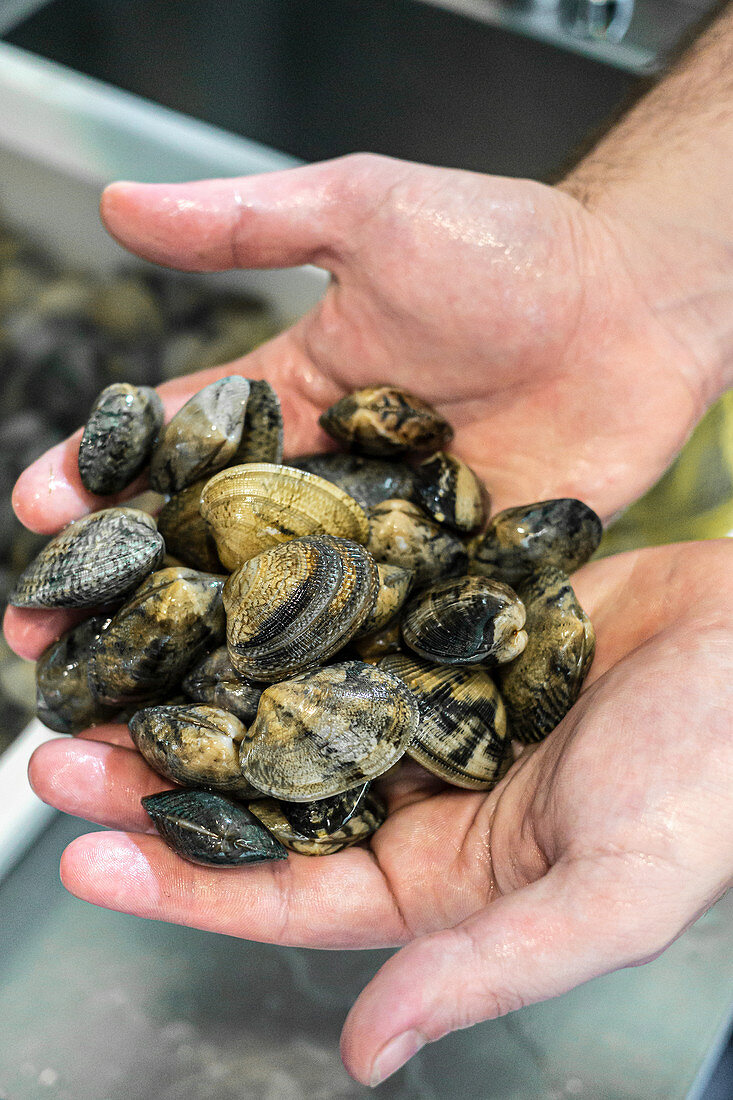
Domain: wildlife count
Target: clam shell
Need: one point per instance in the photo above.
(63, 700)
(563, 533)
(462, 736)
(202, 437)
(327, 731)
(295, 605)
(119, 436)
(94, 561)
(262, 437)
(208, 828)
(540, 687)
(451, 493)
(153, 640)
(194, 745)
(400, 533)
(186, 533)
(466, 620)
(313, 829)
(216, 681)
(383, 420)
(372, 647)
(253, 507)
(393, 589)
(368, 480)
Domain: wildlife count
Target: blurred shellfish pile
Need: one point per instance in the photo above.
(284, 635)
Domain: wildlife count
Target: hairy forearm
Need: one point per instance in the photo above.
(665, 173)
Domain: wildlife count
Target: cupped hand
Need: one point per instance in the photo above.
(599, 847)
(549, 335)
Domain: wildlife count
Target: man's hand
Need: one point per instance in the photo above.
(599, 847)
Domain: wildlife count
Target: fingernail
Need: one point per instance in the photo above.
(394, 1054)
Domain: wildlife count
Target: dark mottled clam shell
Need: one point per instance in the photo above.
(393, 589)
(563, 533)
(294, 606)
(462, 736)
(262, 437)
(216, 681)
(368, 480)
(202, 437)
(119, 436)
(194, 745)
(466, 620)
(327, 731)
(383, 420)
(94, 561)
(451, 493)
(175, 616)
(400, 533)
(63, 700)
(258, 505)
(208, 828)
(540, 687)
(326, 826)
(186, 533)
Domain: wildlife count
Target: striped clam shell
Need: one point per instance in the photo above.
(313, 829)
(368, 480)
(255, 506)
(186, 533)
(63, 700)
(384, 420)
(393, 589)
(295, 605)
(451, 493)
(462, 735)
(401, 533)
(262, 435)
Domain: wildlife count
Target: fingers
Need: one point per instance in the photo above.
(536, 943)
(280, 219)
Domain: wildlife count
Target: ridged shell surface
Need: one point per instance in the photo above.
(119, 436)
(253, 507)
(63, 700)
(451, 493)
(208, 828)
(540, 687)
(393, 589)
(327, 731)
(262, 436)
(153, 640)
(93, 561)
(466, 620)
(462, 736)
(384, 420)
(295, 605)
(311, 829)
(202, 437)
(400, 533)
(187, 535)
(368, 480)
(563, 533)
(194, 745)
(216, 681)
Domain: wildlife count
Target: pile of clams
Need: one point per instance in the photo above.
(283, 635)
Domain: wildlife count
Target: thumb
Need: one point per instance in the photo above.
(280, 219)
(536, 943)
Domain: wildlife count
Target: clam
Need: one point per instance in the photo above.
(384, 420)
(368, 480)
(202, 437)
(215, 680)
(63, 700)
(175, 616)
(194, 745)
(400, 533)
(462, 735)
(187, 535)
(466, 620)
(93, 561)
(296, 604)
(262, 435)
(561, 533)
(314, 829)
(119, 436)
(253, 507)
(393, 589)
(451, 493)
(372, 647)
(327, 731)
(208, 828)
(540, 687)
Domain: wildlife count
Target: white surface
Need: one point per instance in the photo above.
(23, 816)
